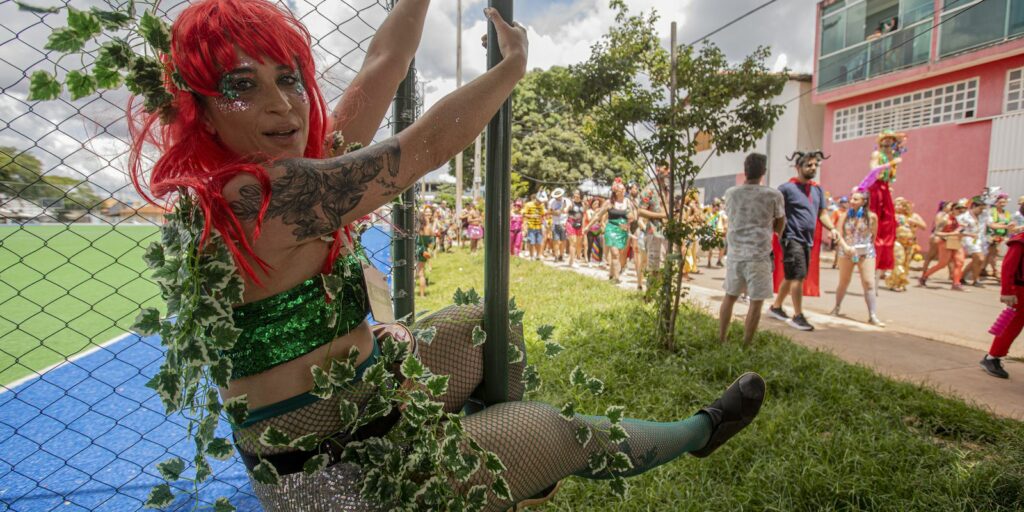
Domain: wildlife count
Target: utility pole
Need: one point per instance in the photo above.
(458, 83)
(476, 167)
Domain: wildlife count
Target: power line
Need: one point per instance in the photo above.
(894, 48)
(727, 25)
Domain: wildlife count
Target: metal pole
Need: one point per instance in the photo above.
(403, 277)
(668, 322)
(458, 83)
(496, 241)
(476, 168)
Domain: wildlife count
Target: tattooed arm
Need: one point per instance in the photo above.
(311, 198)
(360, 110)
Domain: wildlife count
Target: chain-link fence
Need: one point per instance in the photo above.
(78, 428)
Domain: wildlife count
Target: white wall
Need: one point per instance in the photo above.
(1006, 155)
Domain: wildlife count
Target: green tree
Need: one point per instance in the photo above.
(623, 94)
(21, 176)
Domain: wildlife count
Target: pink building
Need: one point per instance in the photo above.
(948, 73)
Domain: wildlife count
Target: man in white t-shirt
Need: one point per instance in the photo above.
(754, 211)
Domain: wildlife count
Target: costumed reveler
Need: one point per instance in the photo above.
(884, 162)
(263, 190)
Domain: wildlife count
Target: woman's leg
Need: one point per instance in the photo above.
(866, 267)
(958, 266)
(933, 252)
(944, 258)
(613, 260)
(845, 276)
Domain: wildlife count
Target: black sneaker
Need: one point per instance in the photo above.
(778, 314)
(733, 411)
(994, 367)
(799, 322)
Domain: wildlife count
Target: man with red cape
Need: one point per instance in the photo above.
(884, 162)
(797, 253)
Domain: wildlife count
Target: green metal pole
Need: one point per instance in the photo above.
(496, 239)
(403, 276)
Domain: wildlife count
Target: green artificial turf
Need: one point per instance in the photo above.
(831, 436)
(65, 289)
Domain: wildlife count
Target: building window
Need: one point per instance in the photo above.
(1014, 90)
(972, 24)
(939, 105)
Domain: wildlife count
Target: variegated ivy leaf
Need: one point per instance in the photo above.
(425, 336)
(568, 411)
(619, 462)
(167, 385)
(316, 463)
(476, 498)
(531, 379)
(203, 470)
(237, 408)
(583, 435)
(552, 348)
(465, 467)
(195, 351)
(432, 491)
(216, 274)
(493, 463)
(412, 368)
(220, 449)
(462, 298)
(545, 331)
(208, 311)
(223, 505)
(213, 405)
(597, 462)
(479, 336)
(515, 317)
(306, 443)
(348, 412)
(514, 354)
(453, 428)
(223, 335)
(159, 497)
(617, 434)
(154, 255)
(342, 373)
(501, 489)
(578, 377)
(168, 274)
(333, 285)
(220, 372)
(206, 430)
(272, 437)
(437, 385)
(171, 469)
(321, 383)
(377, 407)
(595, 385)
(620, 487)
(376, 375)
(266, 473)
(148, 322)
(232, 291)
(614, 413)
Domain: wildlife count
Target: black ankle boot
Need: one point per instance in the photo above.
(733, 411)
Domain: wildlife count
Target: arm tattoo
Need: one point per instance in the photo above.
(335, 185)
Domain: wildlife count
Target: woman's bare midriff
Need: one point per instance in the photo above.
(293, 378)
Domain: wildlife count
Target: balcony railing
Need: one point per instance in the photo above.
(902, 49)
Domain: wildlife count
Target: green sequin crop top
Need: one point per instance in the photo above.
(293, 323)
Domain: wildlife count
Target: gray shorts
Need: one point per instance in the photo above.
(656, 247)
(752, 277)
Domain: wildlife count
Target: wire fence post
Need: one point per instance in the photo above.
(496, 241)
(402, 241)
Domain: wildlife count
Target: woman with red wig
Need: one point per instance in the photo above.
(250, 138)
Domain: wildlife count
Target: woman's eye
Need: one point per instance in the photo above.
(289, 80)
(243, 84)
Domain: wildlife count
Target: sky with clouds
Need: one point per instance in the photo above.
(561, 32)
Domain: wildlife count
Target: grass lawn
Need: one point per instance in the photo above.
(831, 436)
(66, 289)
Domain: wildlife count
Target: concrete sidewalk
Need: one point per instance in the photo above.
(926, 356)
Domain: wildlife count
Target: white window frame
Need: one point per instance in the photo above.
(942, 104)
(1014, 85)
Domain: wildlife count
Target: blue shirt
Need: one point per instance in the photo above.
(801, 211)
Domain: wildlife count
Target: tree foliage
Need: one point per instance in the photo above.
(622, 94)
(21, 176)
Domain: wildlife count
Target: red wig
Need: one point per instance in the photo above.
(204, 40)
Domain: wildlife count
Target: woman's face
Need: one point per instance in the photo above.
(263, 112)
(577, 197)
(856, 201)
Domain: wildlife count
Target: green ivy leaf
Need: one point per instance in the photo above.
(514, 354)
(583, 435)
(272, 437)
(425, 336)
(552, 348)
(232, 292)
(213, 402)
(578, 377)
(65, 40)
(307, 443)
(321, 383)
(215, 274)
(22, 6)
(493, 463)
(614, 413)
(86, 24)
(220, 372)
(203, 470)
(545, 331)
(155, 31)
(171, 469)
(479, 336)
(334, 285)
(501, 489)
(476, 498)
(617, 434)
(159, 497)
(437, 385)
(223, 505)
(154, 255)
(43, 86)
(223, 336)
(469, 298)
(597, 462)
(316, 463)
(568, 411)
(115, 54)
(377, 375)
(111, 20)
(237, 409)
(220, 449)
(619, 462)
(342, 373)
(412, 368)
(531, 379)
(266, 473)
(148, 322)
(348, 412)
(595, 385)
